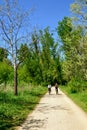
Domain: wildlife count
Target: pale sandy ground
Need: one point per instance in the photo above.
(56, 112)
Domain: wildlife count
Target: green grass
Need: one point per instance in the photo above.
(14, 109)
(80, 98)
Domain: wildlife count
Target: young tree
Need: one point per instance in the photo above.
(13, 30)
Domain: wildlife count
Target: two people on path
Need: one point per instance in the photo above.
(56, 88)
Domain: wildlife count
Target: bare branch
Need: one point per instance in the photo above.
(4, 31)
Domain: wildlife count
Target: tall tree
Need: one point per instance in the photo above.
(71, 37)
(49, 56)
(33, 64)
(64, 30)
(13, 30)
(79, 11)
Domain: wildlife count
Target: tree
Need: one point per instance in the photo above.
(13, 31)
(71, 37)
(49, 60)
(33, 62)
(79, 11)
(64, 30)
(42, 62)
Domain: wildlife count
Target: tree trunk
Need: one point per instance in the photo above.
(15, 79)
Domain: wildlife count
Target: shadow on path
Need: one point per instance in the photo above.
(34, 124)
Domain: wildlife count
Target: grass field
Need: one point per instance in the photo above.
(79, 98)
(14, 109)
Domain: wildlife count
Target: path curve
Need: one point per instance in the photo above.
(56, 112)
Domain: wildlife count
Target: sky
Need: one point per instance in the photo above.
(47, 12)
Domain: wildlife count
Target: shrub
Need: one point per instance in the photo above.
(75, 86)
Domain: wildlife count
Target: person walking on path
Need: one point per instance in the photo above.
(56, 88)
(49, 88)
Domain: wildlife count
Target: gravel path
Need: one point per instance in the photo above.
(56, 112)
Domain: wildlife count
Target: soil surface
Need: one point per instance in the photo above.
(56, 112)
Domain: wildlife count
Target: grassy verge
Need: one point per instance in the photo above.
(79, 98)
(14, 109)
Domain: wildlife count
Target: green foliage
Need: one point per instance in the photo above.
(5, 71)
(23, 74)
(79, 98)
(64, 29)
(79, 40)
(76, 86)
(23, 53)
(3, 54)
(74, 48)
(79, 10)
(14, 109)
(42, 62)
(50, 61)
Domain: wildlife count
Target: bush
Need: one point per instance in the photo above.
(76, 86)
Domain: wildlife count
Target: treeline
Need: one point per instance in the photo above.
(44, 59)
(39, 61)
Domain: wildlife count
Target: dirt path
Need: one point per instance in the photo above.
(56, 112)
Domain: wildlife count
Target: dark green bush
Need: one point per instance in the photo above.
(76, 86)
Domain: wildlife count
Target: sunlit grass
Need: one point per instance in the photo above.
(14, 109)
(79, 98)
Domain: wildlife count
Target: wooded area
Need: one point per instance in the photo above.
(42, 59)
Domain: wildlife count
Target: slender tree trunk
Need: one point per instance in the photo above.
(15, 79)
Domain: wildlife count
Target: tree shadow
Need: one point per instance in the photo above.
(46, 108)
(34, 124)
